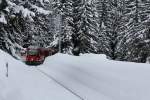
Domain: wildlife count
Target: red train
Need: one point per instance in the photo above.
(37, 55)
(34, 56)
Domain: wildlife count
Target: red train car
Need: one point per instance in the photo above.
(34, 56)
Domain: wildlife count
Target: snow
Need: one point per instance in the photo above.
(103, 25)
(18, 8)
(26, 12)
(41, 1)
(10, 3)
(91, 76)
(2, 19)
(41, 10)
(47, 1)
(27, 83)
(94, 77)
(44, 1)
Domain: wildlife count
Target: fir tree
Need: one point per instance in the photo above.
(135, 32)
(85, 27)
(64, 9)
(20, 18)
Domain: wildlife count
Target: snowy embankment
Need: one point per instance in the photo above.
(27, 83)
(93, 77)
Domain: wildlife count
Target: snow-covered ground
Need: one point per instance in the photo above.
(93, 77)
(90, 76)
(27, 83)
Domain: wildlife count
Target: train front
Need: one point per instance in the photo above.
(34, 57)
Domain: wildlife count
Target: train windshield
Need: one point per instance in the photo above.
(32, 52)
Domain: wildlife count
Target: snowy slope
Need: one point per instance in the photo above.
(93, 77)
(27, 83)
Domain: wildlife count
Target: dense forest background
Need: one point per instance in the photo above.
(118, 28)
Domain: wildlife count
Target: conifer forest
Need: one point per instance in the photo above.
(118, 28)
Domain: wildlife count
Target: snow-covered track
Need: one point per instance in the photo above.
(59, 83)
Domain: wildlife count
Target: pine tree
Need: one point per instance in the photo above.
(110, 22)
(3, 5)
(64, 10)
(135, 21)
(103, 10)
(85, 33)
(22, 22)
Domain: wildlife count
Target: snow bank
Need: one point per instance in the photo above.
(27, 83)
(8, 90)
(93, 77)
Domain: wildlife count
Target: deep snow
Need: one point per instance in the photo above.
(27, 83)
(93, 77)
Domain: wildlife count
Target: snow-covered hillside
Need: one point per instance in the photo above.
(27, 83)
(93, 77)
